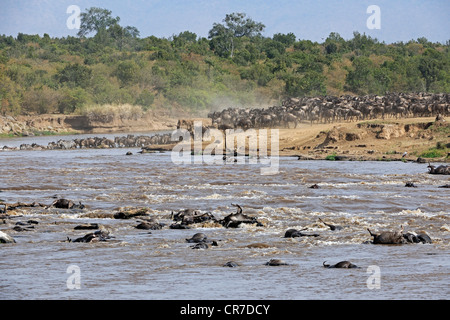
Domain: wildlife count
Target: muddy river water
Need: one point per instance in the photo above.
(160, 264)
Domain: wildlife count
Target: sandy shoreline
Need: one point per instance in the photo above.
(366, 140)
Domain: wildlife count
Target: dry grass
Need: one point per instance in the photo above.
(108, 113)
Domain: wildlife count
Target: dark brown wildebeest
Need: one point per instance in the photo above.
(294, 233)
(388, 237)
(276, 262)
(66, 204)
(342, 264)
(233, 220)
(100, 235)
(331, 226)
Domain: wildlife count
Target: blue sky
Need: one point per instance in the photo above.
(401, 20)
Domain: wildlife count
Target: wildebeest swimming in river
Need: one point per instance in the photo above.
(388, 237)
(190, 216)
(420, 237)
(331, 226)
(66, 204)
(150, 224)
(442, 169)
(398, 237)
(233, 220)
(100, 235)
(275, 262)
(342, 264)
(201, 241)
(294, 233)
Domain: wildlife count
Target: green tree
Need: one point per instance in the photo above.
(96, 19)
(311, 83)
(123, 36)
(430, 66)
(358, 79)
(75, 75)
(126, 72)
(286, 39)
(235, 26)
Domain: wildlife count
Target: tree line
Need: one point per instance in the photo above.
(110, 64)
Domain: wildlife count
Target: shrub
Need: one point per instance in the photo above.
(434, 153)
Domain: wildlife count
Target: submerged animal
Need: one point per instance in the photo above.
(420, 237)
(234, 220)
(342, 264)
(100, 235)
(294, 233)
(398, 237)
(410, 185)
(66, 204)
(388, 237)
(231, 264)
(331, 226)
(150, 224)
(442, 169)
(202, 241)
(275, 262)
(198, 237)
(191, 216)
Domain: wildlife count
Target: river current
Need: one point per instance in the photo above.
(160, 264)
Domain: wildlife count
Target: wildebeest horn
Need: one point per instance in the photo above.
(238, 206)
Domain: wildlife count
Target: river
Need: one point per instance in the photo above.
(159, 264)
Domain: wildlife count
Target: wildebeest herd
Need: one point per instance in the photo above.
(128, 141)
(327, 109)
(189, 218)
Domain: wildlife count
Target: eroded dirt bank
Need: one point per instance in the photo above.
(61, 124)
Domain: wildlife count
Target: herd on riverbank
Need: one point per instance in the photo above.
(328, 109)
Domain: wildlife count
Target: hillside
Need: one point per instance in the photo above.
(113, 66)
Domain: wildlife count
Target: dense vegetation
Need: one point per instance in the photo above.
(108, 64)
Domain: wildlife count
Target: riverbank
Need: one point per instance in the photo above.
(59, 124)
(379, 140)
(369, 140)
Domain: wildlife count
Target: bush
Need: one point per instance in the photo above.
(434, 153)
(145, 99)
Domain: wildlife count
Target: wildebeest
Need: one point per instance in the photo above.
(420, 237)
(201, 240)
(442, 169)
(331, 226)
(231, 264)
(388, 237)
(99, 235)
(342, 264)
(66, 204)
(150, 224)
(190, 216)
(234, 220)
(276, 262)
(294, 233)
